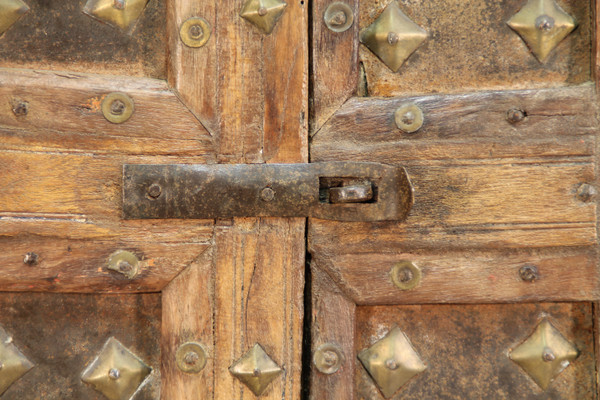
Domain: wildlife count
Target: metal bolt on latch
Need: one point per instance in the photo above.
(528, 273)
(31, 259)
(406, 275)
(125, 263)
(328, 358)
(191, 357)
(409, 118)
(117, 107)
(338, 17)
(195, 32)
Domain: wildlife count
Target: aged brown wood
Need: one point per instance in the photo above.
(472, 48)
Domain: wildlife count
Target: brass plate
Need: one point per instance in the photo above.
(256, 370)
(263, 14)
(10, 12)
(13, 364)
(120, 13)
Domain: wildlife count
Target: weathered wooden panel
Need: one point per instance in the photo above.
(465, 348)
(472, 48)
(57, 35)
(62, 333)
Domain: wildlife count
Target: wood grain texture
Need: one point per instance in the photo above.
(248, 89)
(474, 49)
(259, 265)
(466, 347)
(333, 322)
(468, 276)
(188, 316)
(334, 62)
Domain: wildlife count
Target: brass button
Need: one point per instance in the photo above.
(191, 357)
(117, 107)
(406, 275)
(409, 118)
(195, 32)
(338, 17)
(328, 358)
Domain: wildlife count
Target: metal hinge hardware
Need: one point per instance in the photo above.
(343, 191)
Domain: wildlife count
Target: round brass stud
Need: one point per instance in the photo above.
(195, 32)
(409, 118)
(117, 107)
(191, 357)
(338, 17)
(406, 275)
(328, 358)
(124, 262)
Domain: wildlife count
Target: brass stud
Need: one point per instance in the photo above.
(392, 362)
(13, 364)
(120, 13)
(328, 358)
(545, 354)
(393, 37)
(406, 275)
(195, 32)
(116, 372)
(263, 14)
(117, 107)
(256, 370)
(191, 357)
(409, 118)
(125, 263)
(338, 17)
(10, 12)
(542, 24)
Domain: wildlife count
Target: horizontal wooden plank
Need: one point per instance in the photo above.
(468, 276)
(63, 114)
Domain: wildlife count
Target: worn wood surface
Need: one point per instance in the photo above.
(248, 89)
(472, 48)
(334, 63)
(465, 348)
(63, 333)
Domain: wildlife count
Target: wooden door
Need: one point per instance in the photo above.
(496, 267)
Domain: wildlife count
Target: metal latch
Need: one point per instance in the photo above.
(343, 191)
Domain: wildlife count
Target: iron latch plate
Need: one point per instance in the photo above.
(267, 190)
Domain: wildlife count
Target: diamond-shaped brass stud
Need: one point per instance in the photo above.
(116, 372)
(263, 14)
(392, 362)
(13, 364)
(393, 37)
(256, 370)
(119, 13)
(10, 12)
(543, 25)
(545, 354)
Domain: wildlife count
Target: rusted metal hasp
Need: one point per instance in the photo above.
(343, 191)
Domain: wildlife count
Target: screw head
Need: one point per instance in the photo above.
(262, 11)
(391, 364)
(406, 275)
(515, 115)
(154, 191)
(119, 4)
(30, 259)
(117, 107)
(328, 358)
(586, 192)
(338, 17)
(114, 374)
(191, 357)
(548, 355)
(528, 273)
(409, 118)
(125, 263)
(267, 194)
(544, 23)
(195, 32)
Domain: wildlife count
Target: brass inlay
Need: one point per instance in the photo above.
(406, 275)
(117, 107)
(195, 32)
(543, 25)
(263, 14)
(392, 362)
(328, 358)
(338, 17)
(409, 118)
(10, 12)
(545, 354)
(191, 357)
(119, 13)
(393, 37)
(116, 372)
(256, 370)
(125, 263)
(13, 364)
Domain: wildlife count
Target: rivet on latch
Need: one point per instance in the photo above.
(338, 17)
(267, 194)
(195, 32)
(586, 192)
(191, 357)
(30, 259)
(406, 275)
(154, 191)
(409, 118)
(328, 358)
(256, 369)
(125, 263)
(528, 273)
(117, 107)
(515, 115)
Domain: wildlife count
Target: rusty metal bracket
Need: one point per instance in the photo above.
(343, 191)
